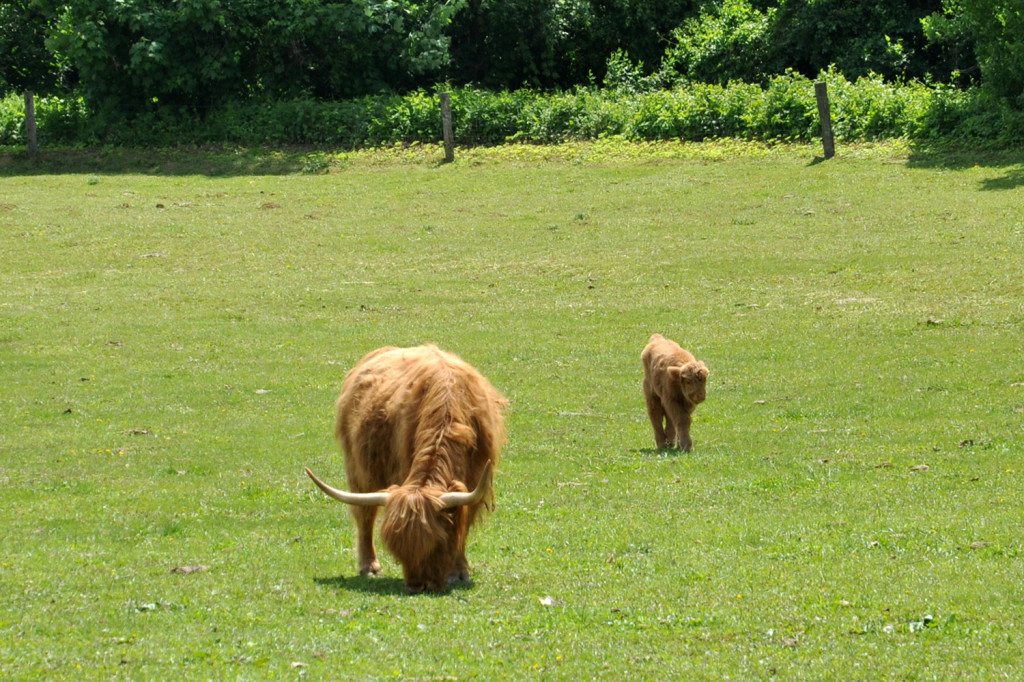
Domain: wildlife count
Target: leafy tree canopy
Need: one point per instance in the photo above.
(25, 61)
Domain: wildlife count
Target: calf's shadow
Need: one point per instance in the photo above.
(660, 453)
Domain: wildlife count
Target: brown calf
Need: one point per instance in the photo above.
(674, 384)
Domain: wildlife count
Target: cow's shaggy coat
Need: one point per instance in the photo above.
(419, 423)
(674, 384)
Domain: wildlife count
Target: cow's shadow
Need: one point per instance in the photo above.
(382, 585)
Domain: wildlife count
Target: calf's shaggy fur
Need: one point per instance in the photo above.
(418, 423)
(675, 383)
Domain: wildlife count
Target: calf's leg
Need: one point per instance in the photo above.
(680, 419)
(656, 413)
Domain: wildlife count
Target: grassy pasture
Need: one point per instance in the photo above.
(174, 329)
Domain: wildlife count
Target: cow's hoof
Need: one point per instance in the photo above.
(371, 571)
(459, 578)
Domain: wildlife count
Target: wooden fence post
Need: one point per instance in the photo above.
(825, 113)
(446, 128)
(30, 123)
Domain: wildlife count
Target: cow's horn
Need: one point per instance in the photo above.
(355, 499)
(449, 500)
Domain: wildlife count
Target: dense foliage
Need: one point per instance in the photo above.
(995, 28)
(868, 36)
(538, 43)
(783, 109)
(133, 55)
(347, 71)
(25, 61)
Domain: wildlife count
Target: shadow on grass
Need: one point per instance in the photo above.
(963, 155)
(1012, 180)
(660, 453)
(382, 585)
(211, 161)
(226, 161)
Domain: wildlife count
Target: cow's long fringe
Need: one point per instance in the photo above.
(455, 438)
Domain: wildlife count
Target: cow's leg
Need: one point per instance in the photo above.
(460, 570)
(364, 516)
(657, 415)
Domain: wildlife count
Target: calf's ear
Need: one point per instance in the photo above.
(694, 370)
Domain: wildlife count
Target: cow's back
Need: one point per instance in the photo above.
(392, 399)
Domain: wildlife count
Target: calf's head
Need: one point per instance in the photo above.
(693, 379)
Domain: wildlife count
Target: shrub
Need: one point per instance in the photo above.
(12, 114)
(580, 115)
(482, 117)
(64, 121)
(976, 115)
(58, 121)
(698, 112)
(871, 109)
(868, 108)
(786, 111)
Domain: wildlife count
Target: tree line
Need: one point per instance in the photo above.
(130, 56)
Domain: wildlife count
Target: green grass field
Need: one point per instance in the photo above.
(174, 329)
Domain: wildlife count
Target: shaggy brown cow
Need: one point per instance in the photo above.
(417, 425)
(674, 384)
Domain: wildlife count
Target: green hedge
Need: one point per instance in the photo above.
(783, 110)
